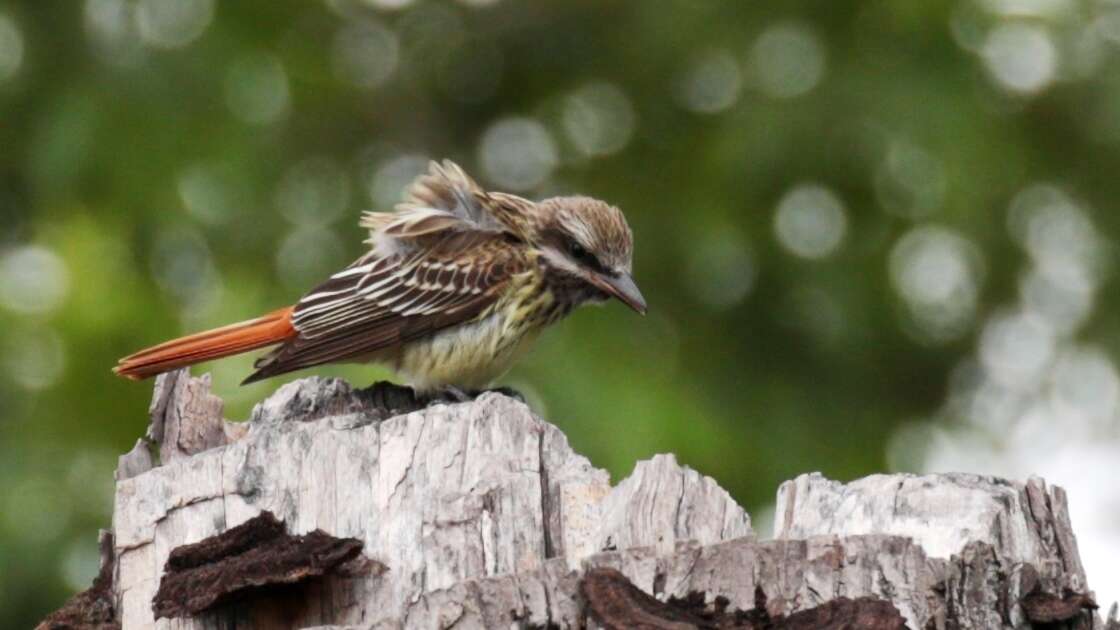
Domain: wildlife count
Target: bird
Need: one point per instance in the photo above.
(455, 286)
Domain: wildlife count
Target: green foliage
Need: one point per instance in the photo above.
(163, 171)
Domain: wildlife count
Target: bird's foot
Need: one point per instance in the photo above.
(508, 391)
(393, 398)
(451, 394)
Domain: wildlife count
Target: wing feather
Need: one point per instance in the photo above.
(395, 300)
(444, 198)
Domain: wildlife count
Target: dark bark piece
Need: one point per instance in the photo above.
(613, 601)
(1047, 608)
(252, 533)
(250, 559)
(93, 608)
(864, 613)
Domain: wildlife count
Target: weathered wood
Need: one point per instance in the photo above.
(448, 493)
(794, 575)
(482, 516)
(1029, 522)
(614, 602)
(186, 418)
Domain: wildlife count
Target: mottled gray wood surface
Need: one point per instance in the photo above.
(1028, 522)
(484, 517)
(440, 495)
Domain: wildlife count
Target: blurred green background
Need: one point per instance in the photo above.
(873, 235)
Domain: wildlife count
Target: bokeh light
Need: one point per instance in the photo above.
(1029, 8)
(183, 267)
(111, 28)
(810, 221)
(392, 177)
(307, 256)
(1086, 387)
(365, 54)
(80, 564)
(34, 280)
(938, 274)
(787, 60)
(208, 193)
(517, 153)
(173, 23)
(314, 191)
(1021, 58)
(34, 357)
(599, 119)
(1016, 349)
(1054, 230)
(257, 89)
(391, 5)
(1063, 304)
(712, 84)
(11, 48)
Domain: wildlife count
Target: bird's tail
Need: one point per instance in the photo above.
(267, 330)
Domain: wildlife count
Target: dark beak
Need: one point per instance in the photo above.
(622, 287)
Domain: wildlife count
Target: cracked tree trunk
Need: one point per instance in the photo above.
(366, 509)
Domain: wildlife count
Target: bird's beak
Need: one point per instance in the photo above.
(622, 287)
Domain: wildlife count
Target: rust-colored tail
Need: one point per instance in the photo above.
(267, 330)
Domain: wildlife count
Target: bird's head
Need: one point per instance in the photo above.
(589, 243)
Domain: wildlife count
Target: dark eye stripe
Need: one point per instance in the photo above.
(586, 258)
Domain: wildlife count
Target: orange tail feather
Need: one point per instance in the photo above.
(267, 330)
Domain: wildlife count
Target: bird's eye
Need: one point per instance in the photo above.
(578, 251)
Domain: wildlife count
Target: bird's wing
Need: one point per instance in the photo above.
(383, 301)
(444, 199)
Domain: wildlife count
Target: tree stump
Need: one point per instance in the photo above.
(360, 509)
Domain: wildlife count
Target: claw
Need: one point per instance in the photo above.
(451, 394)
(508, 391)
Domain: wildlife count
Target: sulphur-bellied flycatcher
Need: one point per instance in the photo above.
(456, 283)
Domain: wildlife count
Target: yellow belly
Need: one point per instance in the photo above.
(469, 356)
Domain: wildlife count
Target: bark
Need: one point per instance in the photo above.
(343, 508)
(253, 559)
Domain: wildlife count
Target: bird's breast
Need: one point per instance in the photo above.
(473, 354)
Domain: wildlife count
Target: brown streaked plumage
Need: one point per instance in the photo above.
(456, 283)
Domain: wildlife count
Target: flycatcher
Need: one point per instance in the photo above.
(457, 283)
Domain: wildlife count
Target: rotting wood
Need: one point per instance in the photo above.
(615, 603)
(93, 608)
(250, 560)
(482, 516)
